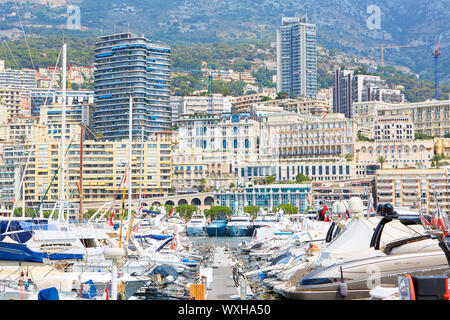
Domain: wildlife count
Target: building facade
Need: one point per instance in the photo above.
(297, 57)
(104, 167)
(266, 196)
(131, 66)
(431, 117)
(413, 188)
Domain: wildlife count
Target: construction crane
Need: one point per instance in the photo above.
(382, 47)
(436, 55)
(210, 90)
(210, 84)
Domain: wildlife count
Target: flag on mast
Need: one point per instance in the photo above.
(370, 208)
(111, 218)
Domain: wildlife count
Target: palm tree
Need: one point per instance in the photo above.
(436, 159)
(381, 160)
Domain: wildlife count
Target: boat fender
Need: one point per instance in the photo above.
(343, 286)
(343, 289)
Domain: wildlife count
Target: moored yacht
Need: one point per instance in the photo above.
(240, 226)
(217, 228)
(265, 219)
(196, 226)
(398, 245)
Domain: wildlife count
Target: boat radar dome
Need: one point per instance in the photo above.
(355, 207)
(339, 207)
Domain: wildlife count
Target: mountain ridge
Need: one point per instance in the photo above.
(342, 24)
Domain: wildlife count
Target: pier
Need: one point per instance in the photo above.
(222, 286)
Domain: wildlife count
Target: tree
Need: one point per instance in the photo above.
(186, 210)
(301, 178)
(349, 157)
(28, 212)
(270, 179)
(381, 160)
(287, 208)
(202, 187)
(435, 160)
(362, 137)
(232, 185)
(252, 210)
(216, 211)
(282, 95)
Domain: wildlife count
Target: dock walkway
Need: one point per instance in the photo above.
(222, 286)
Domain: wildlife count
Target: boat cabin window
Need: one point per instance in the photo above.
(48, 246)
(88, 243)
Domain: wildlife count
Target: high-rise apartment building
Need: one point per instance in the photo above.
(342, 92)
(296, 57)
(130, 65)
(349, 88)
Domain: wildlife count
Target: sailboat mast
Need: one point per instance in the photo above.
(130, 150)
(140, 173)
(23, 192)
(62, 197)
(81, 170)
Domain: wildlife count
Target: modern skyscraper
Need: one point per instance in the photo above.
(342, 92)
(130, 65)
(296, 57)
(349, 88)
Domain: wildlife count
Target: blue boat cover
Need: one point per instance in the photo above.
(189, 261)
(155, 236)
(48, 294)
(92, 290)
(23, 228)
(150, 211)
(19, 252)
(262, 275)
(164, 244)
(165, 270)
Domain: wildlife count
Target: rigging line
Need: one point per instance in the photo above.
(24, 35)
(29, 31)
(51, 81)
(5, 53)
(54, 176)
(12, 55)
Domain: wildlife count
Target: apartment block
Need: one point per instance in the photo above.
(296, 136)
(12, 99)
(394, 129)
(21, 129)
(17, 79)
(414, 188)
(104, 166)
(431, 117)
(266, 196)
(127, 66)
(199, 104)
(297, 57)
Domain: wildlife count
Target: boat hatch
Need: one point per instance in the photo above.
(88, 243)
